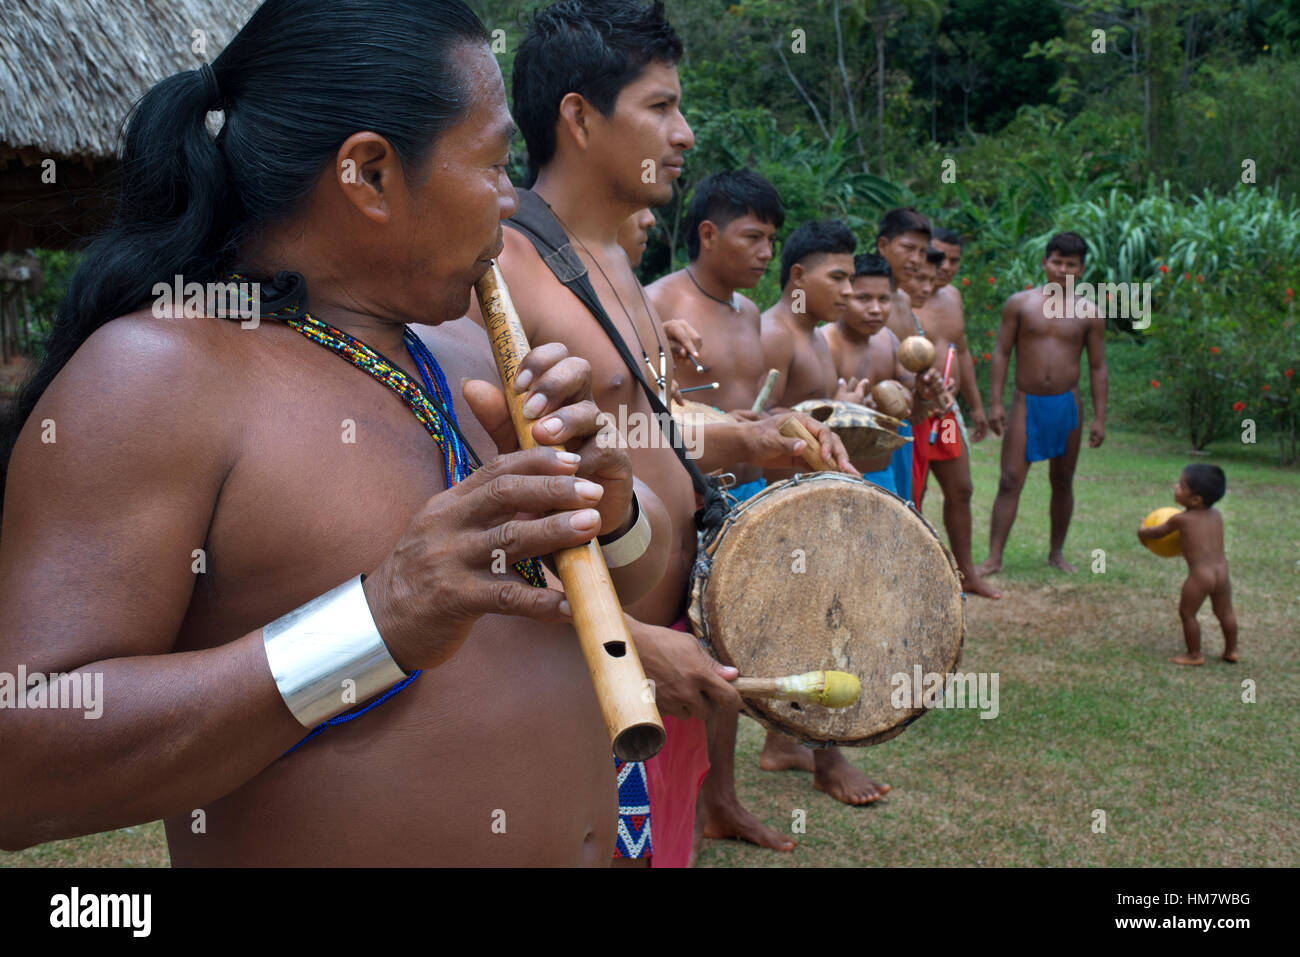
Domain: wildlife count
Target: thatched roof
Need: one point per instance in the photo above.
(70, 71)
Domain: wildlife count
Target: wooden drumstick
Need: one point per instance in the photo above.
(625, 696)
(792, 428)
(765, 393)
(830, 689)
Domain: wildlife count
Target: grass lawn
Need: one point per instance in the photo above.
(1091, 715)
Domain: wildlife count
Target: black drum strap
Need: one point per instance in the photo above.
(538, 224)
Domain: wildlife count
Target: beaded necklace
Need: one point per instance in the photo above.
(431, 404)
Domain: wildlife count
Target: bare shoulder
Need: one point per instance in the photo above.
(774, 327)
(153, 374)
(1019, 302)
(123, 461)
(465, 342)
(666, 287)
(518, 253)
(947, 314)
(540, 298)
(665, 295)
(830, 334)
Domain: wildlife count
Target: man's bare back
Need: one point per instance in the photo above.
(1200, 532)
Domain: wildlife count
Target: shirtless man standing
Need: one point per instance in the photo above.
(730, 227)
(590, 137)
(865, 349)
(904, 241)
(945, 304)
(816, 283)
(206, 480)
(1046, 410)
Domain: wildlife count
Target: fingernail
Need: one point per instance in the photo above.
(568, 458)
(553, 425)
(564, 607)
(588, 489)
(585, 520)
(523, 380)
(534, 406)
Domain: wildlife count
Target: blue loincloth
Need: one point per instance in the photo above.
(1049, 420)
(897, 475)
(748, 490)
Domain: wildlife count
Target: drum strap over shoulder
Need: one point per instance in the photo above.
(539, 226)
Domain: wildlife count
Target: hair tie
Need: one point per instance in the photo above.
(213, 89)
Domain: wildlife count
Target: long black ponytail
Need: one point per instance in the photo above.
(299, 79)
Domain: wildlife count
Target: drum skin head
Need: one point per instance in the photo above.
(830, 572)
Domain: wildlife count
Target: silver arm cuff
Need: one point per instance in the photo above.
(632, 544)
(315, 649)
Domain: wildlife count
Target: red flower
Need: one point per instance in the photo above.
(989, 333)
(987, 357)
(1289, 292)
(1029, 285)
(1164, 269)
(965, 281)
(1289, 373)
(1155, 384)
(1238, 406)
(1187, 275)
(1200, 278)
(1265, 388)
(1214, 350)
(987, 308)
(992, 280)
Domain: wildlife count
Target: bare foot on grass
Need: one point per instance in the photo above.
(1188, 660)
(731, 820)
(784, 754)
(972, 584)
(842, 781)
(1057, 560)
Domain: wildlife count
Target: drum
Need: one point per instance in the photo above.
(827, 571)
(866, 433)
